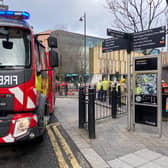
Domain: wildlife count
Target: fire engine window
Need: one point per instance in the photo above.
(15, 47)
(37, 55)
(43, 57)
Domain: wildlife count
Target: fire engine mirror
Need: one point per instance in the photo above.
(52, 42)
(53, 56)
(7, 45)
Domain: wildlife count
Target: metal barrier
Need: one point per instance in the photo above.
(99, 105)
(114, 106)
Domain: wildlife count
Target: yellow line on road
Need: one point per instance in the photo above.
(67, 149)
(57, 150)
(53, 124)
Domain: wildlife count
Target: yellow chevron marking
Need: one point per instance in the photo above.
(57, 150)
(67, 149)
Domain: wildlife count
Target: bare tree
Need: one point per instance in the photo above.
(136, 15)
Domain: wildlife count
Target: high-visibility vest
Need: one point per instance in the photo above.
(105, 85)
(99, 85)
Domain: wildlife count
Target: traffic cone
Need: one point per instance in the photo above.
(167, 104)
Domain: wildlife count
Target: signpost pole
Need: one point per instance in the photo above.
(159, 101)
(129, 82)
(129, 90)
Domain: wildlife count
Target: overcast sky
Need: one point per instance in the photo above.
(65, 14)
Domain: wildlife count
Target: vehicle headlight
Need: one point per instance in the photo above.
(21, 126)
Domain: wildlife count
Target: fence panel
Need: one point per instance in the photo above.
(114, 105)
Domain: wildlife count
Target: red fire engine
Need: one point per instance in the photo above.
(26, 79)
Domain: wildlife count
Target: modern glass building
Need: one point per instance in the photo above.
(71, 51)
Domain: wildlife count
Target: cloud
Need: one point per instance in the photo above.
(52, 14)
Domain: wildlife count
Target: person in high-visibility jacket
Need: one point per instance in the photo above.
(123, 90)
(99, 84)
(105, 84)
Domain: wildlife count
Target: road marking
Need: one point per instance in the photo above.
(53, 124)
(67, 149)
(57, 150)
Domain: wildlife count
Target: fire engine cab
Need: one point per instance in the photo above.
(26, 79)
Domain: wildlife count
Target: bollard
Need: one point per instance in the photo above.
(91, 114)
(114, 103)
(84, 105)
(94, 92)
(119, 96)
(81, 107)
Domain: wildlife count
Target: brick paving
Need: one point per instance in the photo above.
(114, 146)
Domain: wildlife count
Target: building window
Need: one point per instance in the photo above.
(125, 59)
(114, 62)
(113, 55)
(107, 66)
(118, 55)
(125, 67)
(100, 66)
(111, 66)
(98, 51)
(104, 66)
(123, 55)
(119, 66)
(103, 54)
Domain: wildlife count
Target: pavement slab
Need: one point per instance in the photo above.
(163, 162)
(133, 160)
(148, 155)
(116, 163)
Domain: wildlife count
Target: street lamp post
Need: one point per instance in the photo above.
(83, 18)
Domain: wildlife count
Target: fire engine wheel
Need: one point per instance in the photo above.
(42, 114)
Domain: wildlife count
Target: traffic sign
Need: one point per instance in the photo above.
(147, 39)
(116, 34)
(113, 44)
(152, 38)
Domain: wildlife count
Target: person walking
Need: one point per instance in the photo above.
(105, 84)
